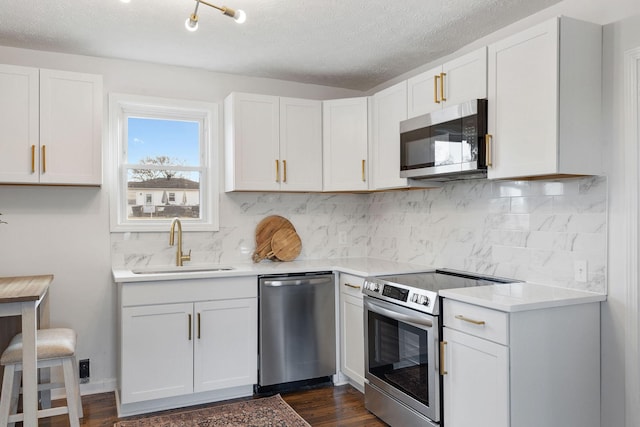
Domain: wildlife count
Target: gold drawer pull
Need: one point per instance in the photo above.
(44, 158)
(277, 171)
(435, 89)
(33, 159)
(352, 286)
(364, 178)
(466, 319)
(190, 326)
(284, 171)
(443, 371)
(488, 139)
(198, 325)
(442, 98)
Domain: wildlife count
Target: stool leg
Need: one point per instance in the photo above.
(15, 394)
(7, 394)
(76, 387)
(70, 385)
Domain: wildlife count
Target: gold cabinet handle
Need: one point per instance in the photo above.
(284, 171)
(198, 325)
(442, 98)
(466, 319)
(44, 158)
(364, 178)
(435, 89)
(189, 325)
(488, 139)
(352, 286)
(443, 371)
(277, 171)
(33, 159)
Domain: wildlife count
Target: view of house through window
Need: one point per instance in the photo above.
(161, 154)
(164, 163)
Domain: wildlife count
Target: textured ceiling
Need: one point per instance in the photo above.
(354, 44)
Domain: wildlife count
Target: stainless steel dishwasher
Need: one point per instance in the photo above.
(297, 338)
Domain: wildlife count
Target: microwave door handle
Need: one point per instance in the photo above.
(415, 320)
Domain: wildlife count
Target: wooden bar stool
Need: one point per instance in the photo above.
(54, 347)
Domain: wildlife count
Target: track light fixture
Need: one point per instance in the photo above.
(192, 21)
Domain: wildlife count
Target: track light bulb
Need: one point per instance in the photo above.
(240, 17)
(191, 23)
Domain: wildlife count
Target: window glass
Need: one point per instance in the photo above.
(165, 163)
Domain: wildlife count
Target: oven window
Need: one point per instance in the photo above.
(398, 355)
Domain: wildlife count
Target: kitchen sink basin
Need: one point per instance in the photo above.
(182, 269)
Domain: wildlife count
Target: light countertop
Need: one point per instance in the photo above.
(357, 266)
(509, 297)
(522, 296)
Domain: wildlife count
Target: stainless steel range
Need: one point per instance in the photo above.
(402, 340)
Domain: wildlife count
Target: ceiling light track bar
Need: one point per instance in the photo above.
(192, 21)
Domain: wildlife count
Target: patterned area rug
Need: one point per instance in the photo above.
(265, 412)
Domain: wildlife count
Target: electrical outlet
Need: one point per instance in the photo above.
(84, 371)
(343, 238)
(580, 270)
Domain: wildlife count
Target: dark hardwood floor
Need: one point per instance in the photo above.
(327, 406)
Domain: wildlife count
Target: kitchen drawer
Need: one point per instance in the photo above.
(351, 285)
(479, 321)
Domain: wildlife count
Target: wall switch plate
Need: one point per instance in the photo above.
(580, 270)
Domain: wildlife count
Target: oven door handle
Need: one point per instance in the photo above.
(378, 308)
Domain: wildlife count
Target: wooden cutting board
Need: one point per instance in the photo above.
(264, 234)
(285, 245)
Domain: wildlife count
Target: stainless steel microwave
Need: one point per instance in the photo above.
(447, 144)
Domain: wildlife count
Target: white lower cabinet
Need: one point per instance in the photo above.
(352, 328)
(156, 337)
(539, 367)
(186, 342)
(224, 353)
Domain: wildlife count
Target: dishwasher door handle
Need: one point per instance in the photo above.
(297, 282)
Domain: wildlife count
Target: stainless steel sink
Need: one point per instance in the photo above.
(181, 269)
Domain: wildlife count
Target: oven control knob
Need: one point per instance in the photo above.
(420, 299)
(373, 287)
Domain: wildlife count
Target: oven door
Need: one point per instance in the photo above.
(400, 355)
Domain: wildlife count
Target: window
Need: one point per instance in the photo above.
(165, 163)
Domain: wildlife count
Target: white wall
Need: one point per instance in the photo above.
(618, 37)
(65, 230)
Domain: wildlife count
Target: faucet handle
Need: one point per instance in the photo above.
(186, 257)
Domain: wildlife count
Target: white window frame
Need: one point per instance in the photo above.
(207, 113)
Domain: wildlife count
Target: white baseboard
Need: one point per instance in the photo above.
(92, 387)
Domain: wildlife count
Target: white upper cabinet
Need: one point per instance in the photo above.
(389, 109)
(544, 101)
(457, 81)
(300, 144)
(272, 143)
(252, 142)
(50, 127)
(19, 124)
(345, 139)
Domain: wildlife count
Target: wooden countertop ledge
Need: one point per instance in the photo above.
(24, 288)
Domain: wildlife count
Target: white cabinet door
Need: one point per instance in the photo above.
(345, 139)
(423, 93)
(19, 126)
(300, 144)
(465, 78)
(457, 81)
(523, 102)
(157, 352)
(70, 128)
(252, 142)
(476, 383)
(544, 101)
(226, 344)
(389, 109)
(352, 312)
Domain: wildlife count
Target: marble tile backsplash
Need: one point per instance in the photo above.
(528, 230)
